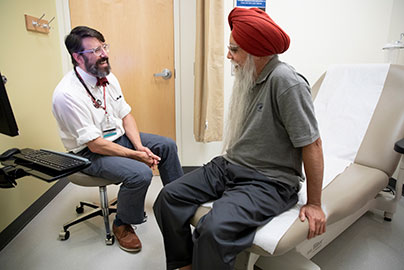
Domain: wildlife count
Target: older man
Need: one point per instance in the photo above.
(271, 131)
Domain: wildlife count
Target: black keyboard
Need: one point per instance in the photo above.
(56, 161)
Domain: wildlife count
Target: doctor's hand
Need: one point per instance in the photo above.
(151, 159)
(316, 218)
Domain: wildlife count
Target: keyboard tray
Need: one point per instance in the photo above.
(47, 164)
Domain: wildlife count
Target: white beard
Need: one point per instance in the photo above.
(239, 102)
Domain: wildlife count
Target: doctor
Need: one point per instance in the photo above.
(271, 131)
(95, 122)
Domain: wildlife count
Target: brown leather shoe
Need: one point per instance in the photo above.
(127, 238)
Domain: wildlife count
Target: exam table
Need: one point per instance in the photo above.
(356, 172)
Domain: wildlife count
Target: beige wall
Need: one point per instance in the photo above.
(32, 64)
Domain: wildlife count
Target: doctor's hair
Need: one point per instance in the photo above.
(73, 41)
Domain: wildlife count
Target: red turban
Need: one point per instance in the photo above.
(256, 33)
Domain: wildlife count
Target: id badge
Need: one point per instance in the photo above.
(108, 128)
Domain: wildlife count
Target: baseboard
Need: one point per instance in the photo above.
(22, 220)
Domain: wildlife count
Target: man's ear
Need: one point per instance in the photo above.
(79, 58)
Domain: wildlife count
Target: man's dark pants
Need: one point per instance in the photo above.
(244, 200)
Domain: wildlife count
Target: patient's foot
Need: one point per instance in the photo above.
(127, 238)
(188, 267)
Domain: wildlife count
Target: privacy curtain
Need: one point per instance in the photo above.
(209, 58)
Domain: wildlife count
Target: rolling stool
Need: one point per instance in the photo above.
(104, 209)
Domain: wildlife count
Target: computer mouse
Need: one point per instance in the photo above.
(9, 153)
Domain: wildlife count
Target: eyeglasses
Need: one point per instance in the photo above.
(233, 48)
(97, 51)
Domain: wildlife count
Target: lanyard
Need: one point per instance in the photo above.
(96, 103)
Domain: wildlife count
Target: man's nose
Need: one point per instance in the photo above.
(104, 53)
(229, 55)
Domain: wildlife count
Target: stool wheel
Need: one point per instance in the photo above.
(64, 235)
(79, 209)
(110, 240)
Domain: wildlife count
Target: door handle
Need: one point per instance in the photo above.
(166, 74)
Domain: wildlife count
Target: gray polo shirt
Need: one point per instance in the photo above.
(279, 123)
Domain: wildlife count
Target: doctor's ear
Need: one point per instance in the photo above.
(79, 58)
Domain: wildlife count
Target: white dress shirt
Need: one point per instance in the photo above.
(78, 120)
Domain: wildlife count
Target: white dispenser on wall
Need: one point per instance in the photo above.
(392, 50)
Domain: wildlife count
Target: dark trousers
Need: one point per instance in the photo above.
(134, 175)
(244, 200)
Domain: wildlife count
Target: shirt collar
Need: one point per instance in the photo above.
(269, 67)
(90, 80)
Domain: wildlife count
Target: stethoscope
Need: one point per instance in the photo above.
(96, 102)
